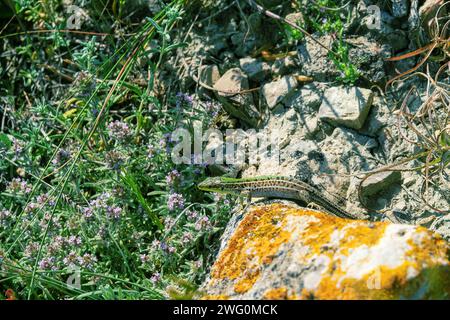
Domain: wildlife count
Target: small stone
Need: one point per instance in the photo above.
(239, 105)
(275, 92)
(231, 83)
(209, 74)
(379, 182)
(256, 70)
(346, 106)
(284, 66)
(295, 17)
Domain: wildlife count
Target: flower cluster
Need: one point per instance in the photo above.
(47, 264)
(114, 160)
(19, 185)
(119, 130)
(104, 203)
(173, 177)
(17, 146)
(175, 201)
(183, 100)
(203, 224)
(212, 108)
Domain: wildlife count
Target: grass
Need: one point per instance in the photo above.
(327, 17)
(91, 205)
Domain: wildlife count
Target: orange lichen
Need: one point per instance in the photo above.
(258, 238)
(276, 294)
(384, 282)
(215, 297)
(253, 244)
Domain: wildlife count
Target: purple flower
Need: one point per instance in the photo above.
(175, 201)
(47, 263)
(74, 240)
(71, 259)
(202, 224)
(183, 99)
(173, 177)
(31, 207)
(19, 185)
(187, 237)
(169, 222)
(144, 258)
(156, 244)
(113, 212)
(87, 260)
(171, 249)
(212, 108)
(155, 277)
(4, 214)
(57, 244)
(43, 198)
(119, 130)
(163, 246)
(192, 215)
(17, 145)
(88, 212)
(31, 249)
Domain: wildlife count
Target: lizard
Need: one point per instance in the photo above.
(276, 187)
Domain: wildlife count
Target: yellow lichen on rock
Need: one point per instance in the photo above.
(283, 252)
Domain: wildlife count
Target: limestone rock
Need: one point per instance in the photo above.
(314, 59)
(209, 74)
(274, 92)
(239, 105)
(346, 106)
(280, 251)
(284, 66)
(379, 181)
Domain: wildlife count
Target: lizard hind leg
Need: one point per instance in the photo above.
(245, 200)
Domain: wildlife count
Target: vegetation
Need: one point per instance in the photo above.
(87, 185)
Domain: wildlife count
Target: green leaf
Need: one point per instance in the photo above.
(156, 193)
(445, 139)
(130, 181)
(4, 141)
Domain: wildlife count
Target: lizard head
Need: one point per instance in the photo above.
(211, 184)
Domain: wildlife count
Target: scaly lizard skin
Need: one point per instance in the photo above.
(276, 187)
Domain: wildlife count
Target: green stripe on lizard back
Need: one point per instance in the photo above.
(275, 187)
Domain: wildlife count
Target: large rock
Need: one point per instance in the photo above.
(280, 251)
(346, 106)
